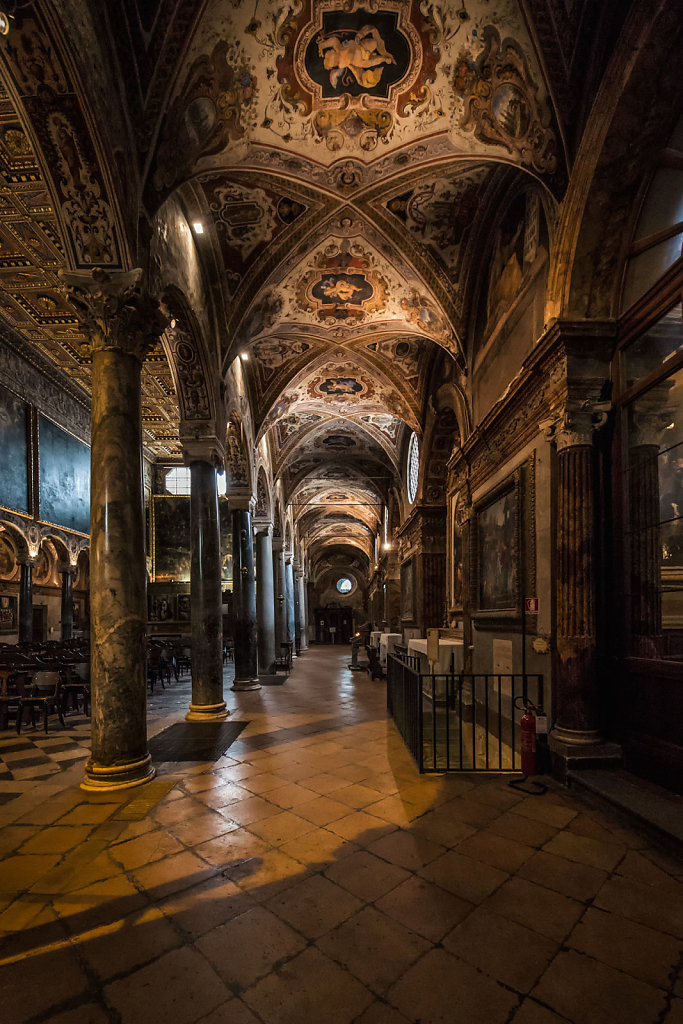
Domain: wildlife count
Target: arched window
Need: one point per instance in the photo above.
(178, 480)
(413, 467)
(345, 585)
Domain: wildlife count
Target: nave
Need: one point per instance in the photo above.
(311, 874)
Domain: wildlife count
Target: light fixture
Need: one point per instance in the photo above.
(4, 24)
(387, 545)
(197, 227)
(244, 356)
(173, 323)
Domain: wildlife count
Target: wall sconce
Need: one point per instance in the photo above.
(281, 598)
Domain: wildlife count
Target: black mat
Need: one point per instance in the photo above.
(195, 741)
(272, 680)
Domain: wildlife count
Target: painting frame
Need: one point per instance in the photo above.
(408, 590)
(497, 525)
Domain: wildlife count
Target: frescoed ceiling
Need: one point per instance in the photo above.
(341, 158)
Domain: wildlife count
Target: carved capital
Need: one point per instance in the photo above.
(238, 499)
(203, 449)
(576, 418)
(113, 310)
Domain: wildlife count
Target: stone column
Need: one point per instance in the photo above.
(26, 602)
(576, 732)
(246, 653)
(297, 609)
(303, 615)
(67, 618)
(207, 703)
(279, 588)
(310, 604)
(289, 601)
(123, 325)
(265, 598)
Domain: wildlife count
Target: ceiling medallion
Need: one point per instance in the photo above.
(354, 67)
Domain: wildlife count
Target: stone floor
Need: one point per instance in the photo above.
(311, 876)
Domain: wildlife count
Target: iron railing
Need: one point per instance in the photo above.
(457, 721)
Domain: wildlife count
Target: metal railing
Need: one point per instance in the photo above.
(456, 721)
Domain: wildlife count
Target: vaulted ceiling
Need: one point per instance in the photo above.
(344, 161)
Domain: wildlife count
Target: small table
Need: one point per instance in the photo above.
(386, 646)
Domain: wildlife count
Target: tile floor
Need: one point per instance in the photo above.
(311, 876)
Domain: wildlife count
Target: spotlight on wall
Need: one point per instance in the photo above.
(4, 24)
(173, 323)
(197, 227)
(244, 356)
(387, 545)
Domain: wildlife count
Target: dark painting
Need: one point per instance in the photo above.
(13, 465)
(408, 589)
(161, 607)
(171, 538)
(64, 477)
(497, 533)
(8, 614)
(343, 288)
(226, 541)
(184, 608)
(360, 53)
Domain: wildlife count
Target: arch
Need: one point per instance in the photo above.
(264, 504)
(186, 354)
(237, 464)
(641, 87)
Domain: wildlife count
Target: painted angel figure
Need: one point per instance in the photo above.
(363, 54)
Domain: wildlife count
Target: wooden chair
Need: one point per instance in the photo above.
(284, 661)
(43, 693)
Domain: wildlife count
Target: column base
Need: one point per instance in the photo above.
(102, 778)
(207, 712)
(568, 754)
(246, 684)
(573, 738)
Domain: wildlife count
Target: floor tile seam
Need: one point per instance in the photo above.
(564, 948)
(674, 975)
(377, 992)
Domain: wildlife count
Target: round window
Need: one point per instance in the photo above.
(344, 585)
(413, 466)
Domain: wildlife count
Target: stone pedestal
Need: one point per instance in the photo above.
(246, 653)
(67, 615)
(123, 326)
(26, 602)
(265, 597)
(205, 595)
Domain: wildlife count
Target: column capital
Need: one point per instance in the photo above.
(577, 416)
(114, 311)
(203, 449)
(278, 545)
(241, 500)
(67, 569)
(263, 526)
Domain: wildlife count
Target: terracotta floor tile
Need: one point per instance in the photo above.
(313, 988)
(280, 828)
(425, 993)
(249, 946)
(366, 875)
(427, 909)
(89, 1013)
(22, 998)
(585, 850)
(580, 881)
(57, 839)
(536, 907)
(201, 827)
(314, 906)
(655, 908)
(495, 850)
(589, 992)
(375, 948)
(360, 828)
(630, 947)
(405, 849)
(158, 993)
(153, 846)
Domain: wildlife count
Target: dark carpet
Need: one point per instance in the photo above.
(195, 741)
(272, 680)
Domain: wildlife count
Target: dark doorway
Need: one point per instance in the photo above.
(39, 623)
(333, 625)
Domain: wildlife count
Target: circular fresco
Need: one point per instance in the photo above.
(342, 289)
(358, 53)
(340, 386)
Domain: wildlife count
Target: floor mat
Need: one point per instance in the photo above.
(194, 741)
(272, 680)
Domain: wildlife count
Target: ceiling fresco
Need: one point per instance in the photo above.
(340, 158)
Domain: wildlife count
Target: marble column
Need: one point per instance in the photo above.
(67, 617)
(207, 703)
(246, 647)
(297, 610)
(303, 614)
(26, 602)
(289, 602)
(265, 597)
(279, 589)
(123, 325)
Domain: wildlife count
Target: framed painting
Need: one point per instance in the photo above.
(497, 526)
(183, 607)
(171, 538)
(14, 462)
(8, 614)
(161, 607)
(64, 477)
(408, 590)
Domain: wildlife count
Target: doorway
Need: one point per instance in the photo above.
(333, 625)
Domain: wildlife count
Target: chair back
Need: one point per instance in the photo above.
(45, 683)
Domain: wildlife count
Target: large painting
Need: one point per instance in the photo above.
(8, 614)
(14, 464)
(64, 477)
(498, 552)
(408, 590)
(171, 538)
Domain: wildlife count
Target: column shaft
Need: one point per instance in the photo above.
(118, 612)
(67, 617)
(26, 603)
(289, 601)
(246, 655)
(303, 615)
(205, 597)
(279, 591)
(576, 718)
(265, 600)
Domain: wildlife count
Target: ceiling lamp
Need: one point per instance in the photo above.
(244, 356)
(198, 227)
(4, 24)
